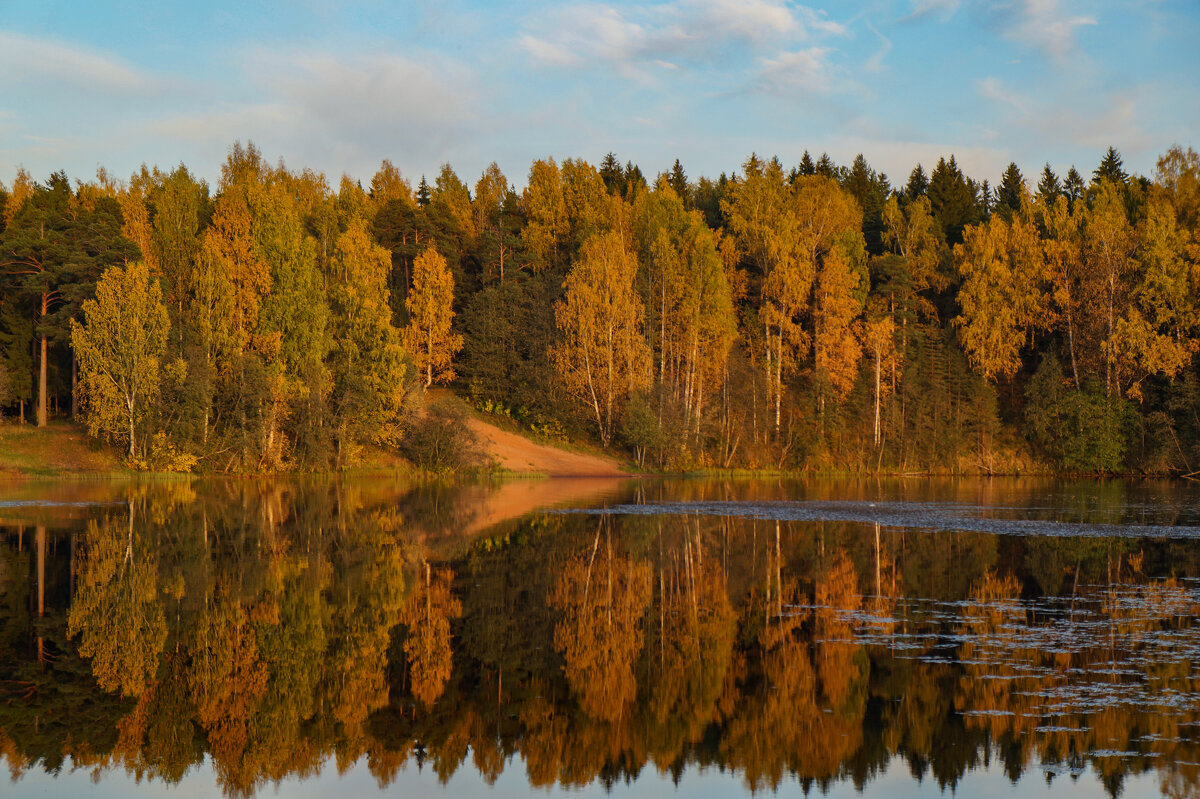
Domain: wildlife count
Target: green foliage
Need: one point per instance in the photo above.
(1081, 430)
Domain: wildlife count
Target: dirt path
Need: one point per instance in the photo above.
(518, 454)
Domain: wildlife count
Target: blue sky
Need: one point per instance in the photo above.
(341, 86)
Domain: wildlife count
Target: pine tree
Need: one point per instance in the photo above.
(807, 167)
(423, 193)
(1073, 186)
(1110, 169)
(918, 184)
(953, 200)
(1011, 190)
(1048, 188)
(679, 183)
(613, 175)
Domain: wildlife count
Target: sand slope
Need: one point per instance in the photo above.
(516, 453)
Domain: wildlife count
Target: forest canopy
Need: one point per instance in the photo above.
(816, 316)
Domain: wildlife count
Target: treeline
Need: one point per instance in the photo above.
(812, 317)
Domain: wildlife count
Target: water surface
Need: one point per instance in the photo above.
(898, 638)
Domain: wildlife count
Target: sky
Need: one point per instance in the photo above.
(340, 86)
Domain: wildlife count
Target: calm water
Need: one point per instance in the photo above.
(702, 637)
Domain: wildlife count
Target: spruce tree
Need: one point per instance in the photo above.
(807, 167)
(918, 184)
(1049, 188)
(1073, 185)
(1012, 186)
(1110, 168)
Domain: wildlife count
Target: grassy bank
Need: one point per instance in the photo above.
(60, 449)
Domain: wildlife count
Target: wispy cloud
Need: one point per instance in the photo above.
(1042, 24)
(805, 71)
(49, 64)
(356, 109)
(992, 88)
(920, 9)
(1093, 121)
(875, 62)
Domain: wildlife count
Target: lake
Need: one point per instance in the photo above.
(706, 637)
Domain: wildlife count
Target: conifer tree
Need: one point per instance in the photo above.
(1049, 188)
(1110, 168)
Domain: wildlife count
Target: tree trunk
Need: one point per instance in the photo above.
(129, 406)
(41, 407)
(877, 359)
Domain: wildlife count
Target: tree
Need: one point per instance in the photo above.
(430, 312)
(1001, 265)
(879, 338)
(55, 250)
(1108, 248)
(1073, 185)
(494, 239)
(1049, 188)
(679, 183)
(427, 615)
(917, 184)
(602, 356)
(1012, 188)
(1110, 169)
(120, 344)
(547, 213)
(952, 199)
(370, 364)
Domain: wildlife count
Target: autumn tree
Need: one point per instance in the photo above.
(1002, 269)
(370, 363)
(427, 615)
(601, 597)
(546, 210)
(117, 613)
(602, 355)
(878, 334)
(430, 312)
(120, 344)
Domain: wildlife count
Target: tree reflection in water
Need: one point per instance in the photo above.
(276, 628)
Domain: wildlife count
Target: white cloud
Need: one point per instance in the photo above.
(677, 32)
(48, 64)
(806, 71)
(1044, 25)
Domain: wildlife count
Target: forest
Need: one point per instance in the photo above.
(815, 317)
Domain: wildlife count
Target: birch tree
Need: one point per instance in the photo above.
(119, 345)
(602, 356)
(430, 311)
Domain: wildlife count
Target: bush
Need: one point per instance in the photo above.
(441, 439)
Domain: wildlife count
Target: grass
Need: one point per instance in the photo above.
(58, 450)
